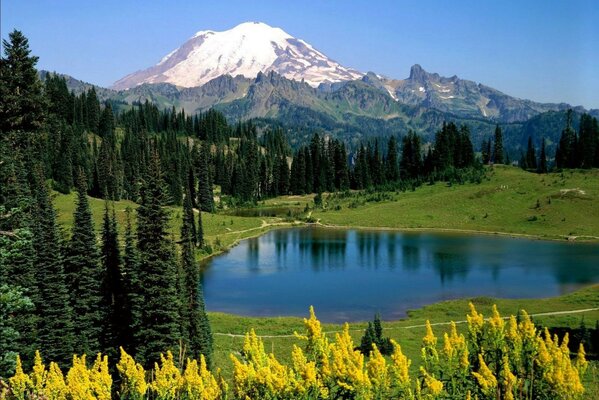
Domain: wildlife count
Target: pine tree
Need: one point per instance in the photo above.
(565, 156)
(22, 103)
(17, 265)
(159, 329)
(498, 157)
(55, 325)
(484, 148)
(195, 325)
(542, 165)
(85, 276)
(205, 195)
(392, 168)
(117, 311)
(131, 284)
(531, 157)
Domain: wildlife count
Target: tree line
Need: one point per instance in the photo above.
(68, 292)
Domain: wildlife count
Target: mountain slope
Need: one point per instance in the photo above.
(246, 50)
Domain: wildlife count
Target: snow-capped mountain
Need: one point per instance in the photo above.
(246, 50)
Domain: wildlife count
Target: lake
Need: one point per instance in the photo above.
(349, 275)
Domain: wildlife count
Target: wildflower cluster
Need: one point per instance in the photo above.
(496, 358)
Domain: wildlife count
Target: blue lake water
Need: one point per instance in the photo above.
(349, 275)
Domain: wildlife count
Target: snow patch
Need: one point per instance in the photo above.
(247, 49)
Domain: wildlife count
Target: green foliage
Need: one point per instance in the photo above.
(84, 274)
(12, 302)
(55, 325)
(159, 326)
(22, 105)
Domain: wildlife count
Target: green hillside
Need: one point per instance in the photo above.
(552, 206)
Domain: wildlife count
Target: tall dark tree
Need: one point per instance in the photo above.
(531, 155)
(205, 194)
(391, 165)
(498, 155)
(131, 283)
(485, 151)
(22, 104)
(195, 326)
(85, 277)
(17, 258)
(55, 325)
(159, 329)
(542, 164)
(117, 311)
(565, 155)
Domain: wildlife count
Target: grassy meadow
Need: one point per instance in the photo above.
(509, 201)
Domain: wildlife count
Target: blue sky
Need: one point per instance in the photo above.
(540, 50)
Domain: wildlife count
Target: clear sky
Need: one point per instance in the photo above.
(541, 50)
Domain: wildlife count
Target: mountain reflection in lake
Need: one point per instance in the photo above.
(349, 275)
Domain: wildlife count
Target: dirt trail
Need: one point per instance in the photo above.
(567, 312)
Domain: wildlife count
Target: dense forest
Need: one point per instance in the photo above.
(69, 293)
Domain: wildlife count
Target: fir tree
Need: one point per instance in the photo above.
(22, 104)
(55, 325)
(531, 156)
(117, 310)
(392, 168)
(195, 325)
(131, 283)
(205, 195)
(542, 165)
(85, 277)
(159, 328)
(498, 157)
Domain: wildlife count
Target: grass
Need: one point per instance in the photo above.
(409, 338)
(506, 202)
(224, 229)
(512, 201)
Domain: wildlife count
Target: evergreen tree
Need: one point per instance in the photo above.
(132, 285)
(542, 165)
(565, 156)
(205, 194)
(117, 310)
(22, 103)
(159, 328)
(531, 156)
(17, 255)
(195, 326)
(85, 277)
(392, 167)
(55, 325)
(498, 157)
(486, 156)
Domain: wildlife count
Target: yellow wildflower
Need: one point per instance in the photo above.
(508, 380)
(581, 361)
(167, 377)
(377, 371)
(20, 382)
(429, 339)
(56, 388)
(78, 380)
(38, 375)
(432, 384)
(400, 368)
(485, 378)
(198, 382)
(101, 381)
(347, 367)
(475, 320)
(133, 377)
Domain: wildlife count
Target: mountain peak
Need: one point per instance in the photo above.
(246, 49)
(417, 73)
